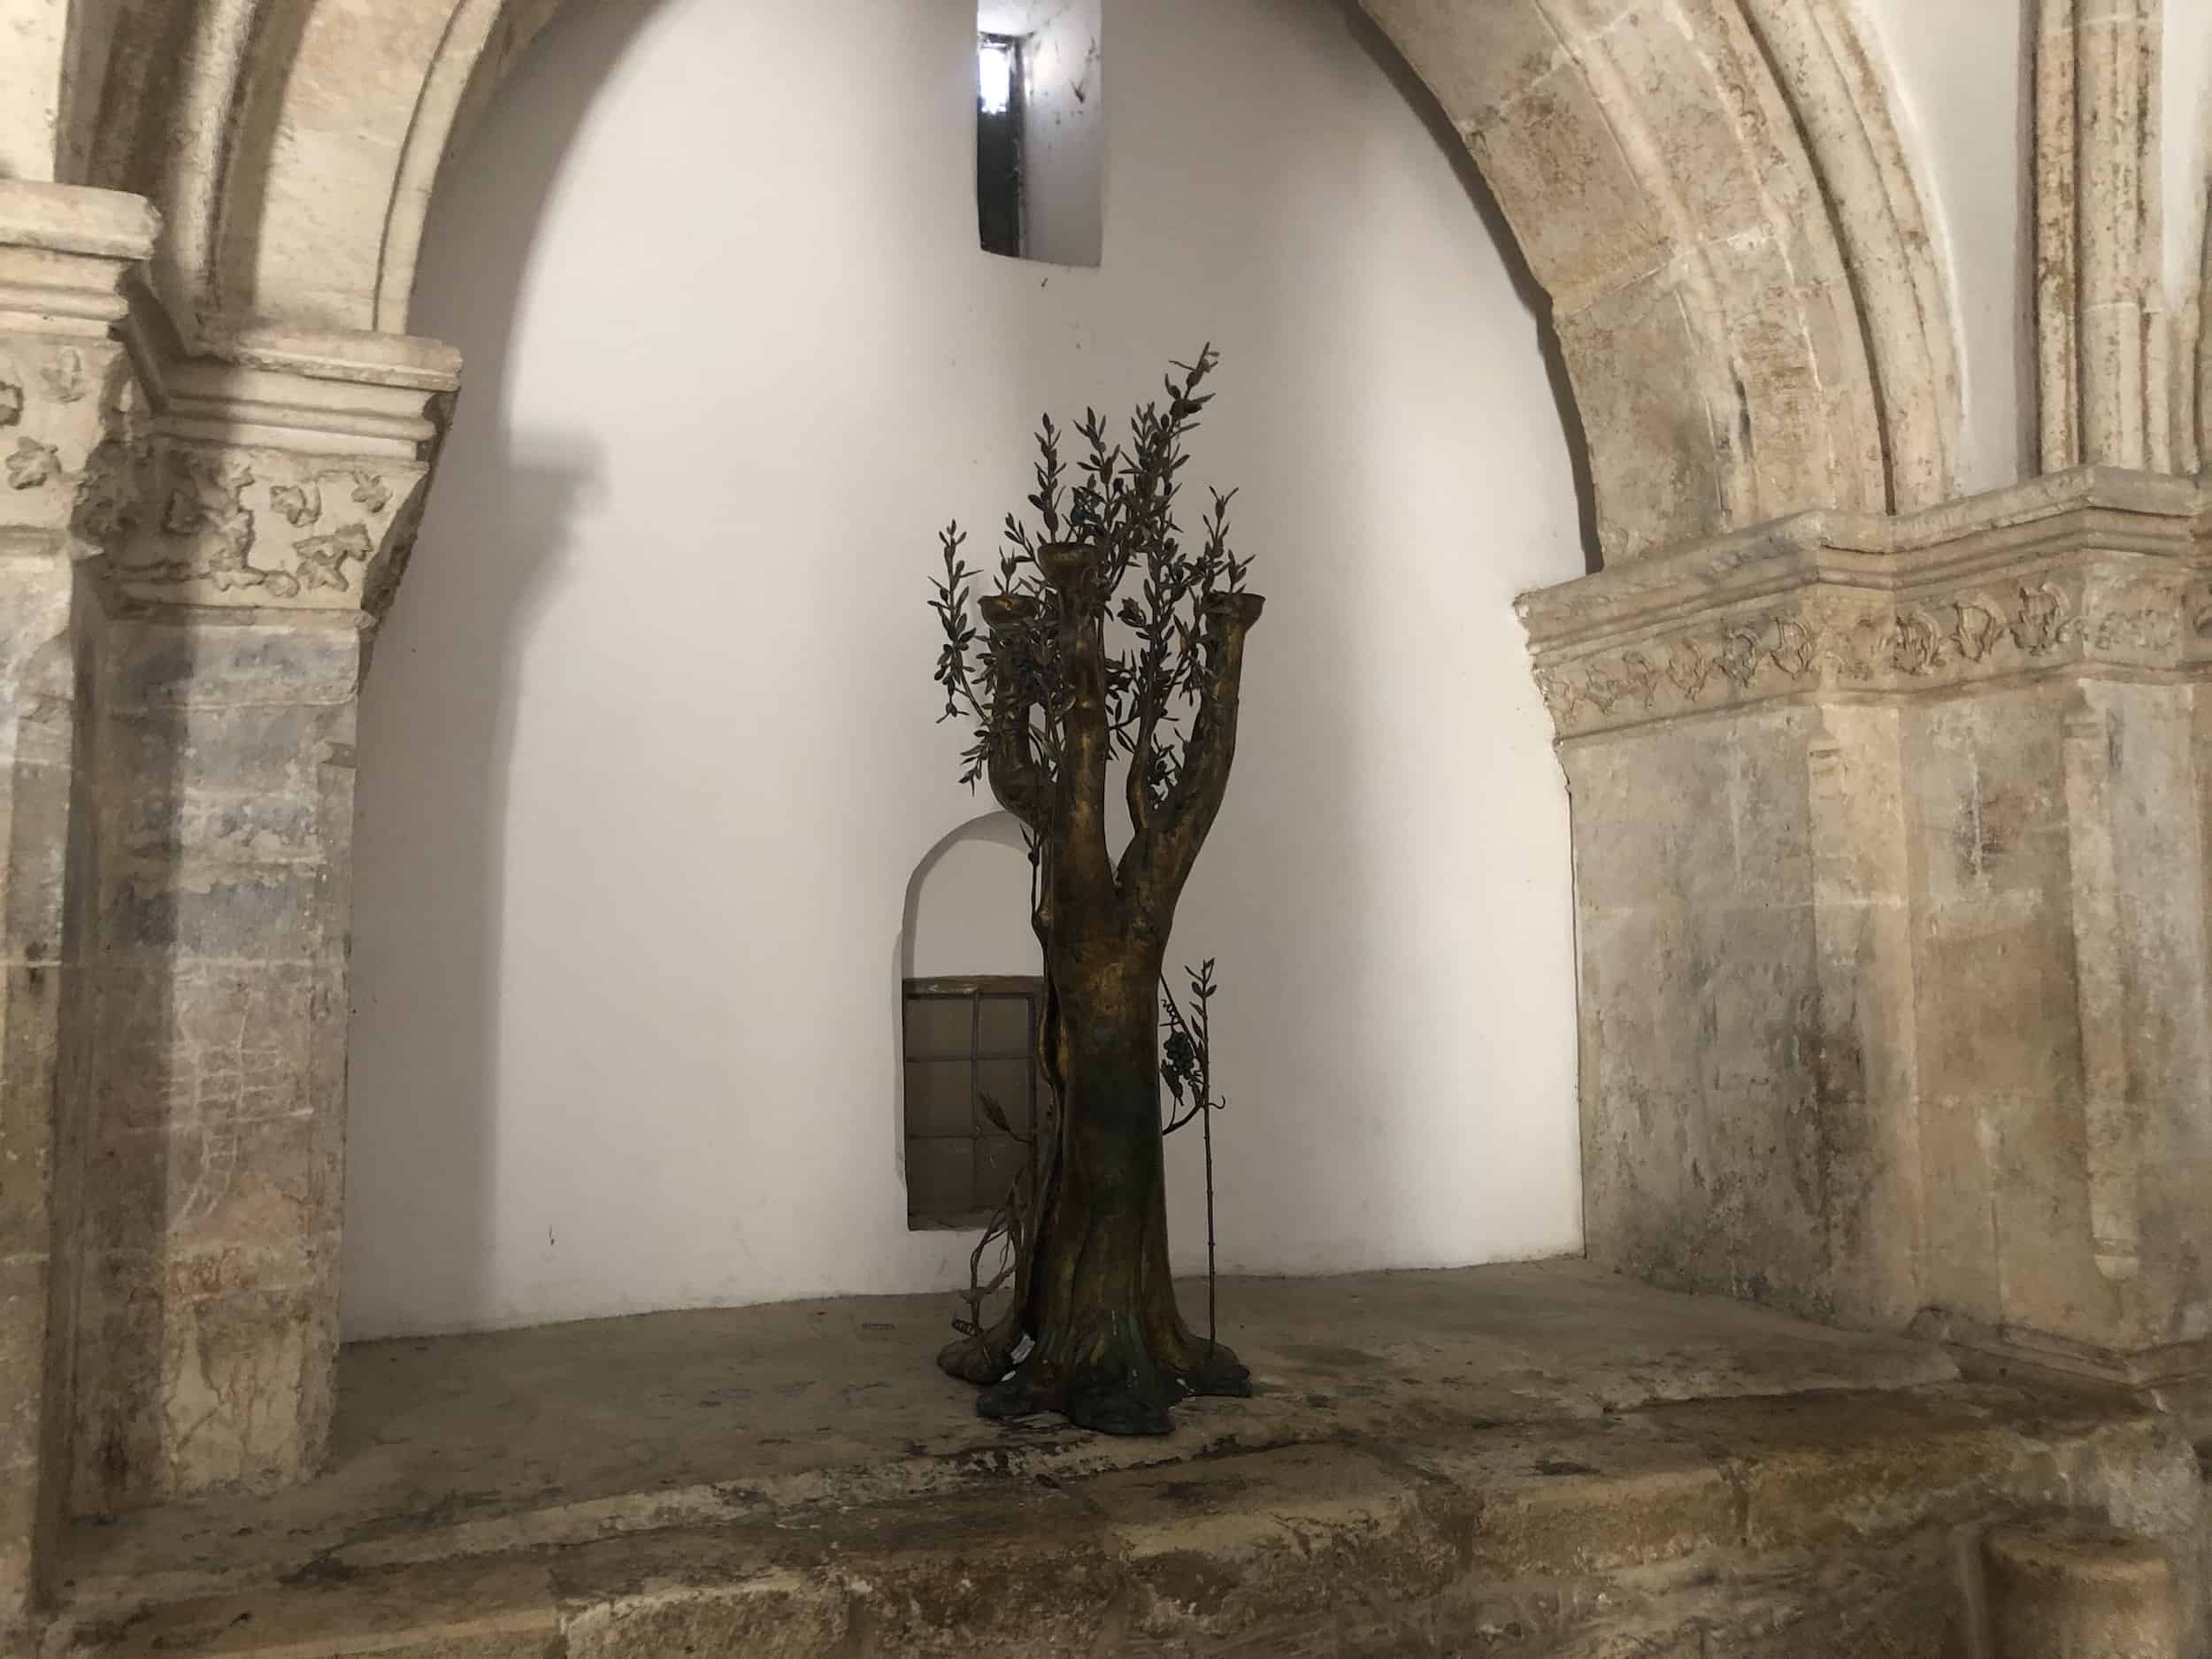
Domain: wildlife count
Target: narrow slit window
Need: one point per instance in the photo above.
(998, 143)
(1040, 133)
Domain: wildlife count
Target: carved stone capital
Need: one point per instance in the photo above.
(248, 467)
(268, 470)
(66, 254)
(206, 523)
(2092, 568)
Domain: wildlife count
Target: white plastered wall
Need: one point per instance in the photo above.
(2185, 159)
(1064, 140)
(648, 753)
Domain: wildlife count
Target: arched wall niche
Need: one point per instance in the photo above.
(1713, 195)
(966, 918)
(967, 904)
(1383, 391)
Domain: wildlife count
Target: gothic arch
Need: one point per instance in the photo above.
(1712, 192)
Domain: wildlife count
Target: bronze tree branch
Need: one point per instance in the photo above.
(1093, 1311)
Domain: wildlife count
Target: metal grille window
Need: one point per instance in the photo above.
(966, 1039)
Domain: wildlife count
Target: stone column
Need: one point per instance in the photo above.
(1891, 847)
(63, 253)
(2108, 392)
(266, 499)
(2073, 1589)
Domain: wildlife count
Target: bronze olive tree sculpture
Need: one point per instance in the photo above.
(1061, 679)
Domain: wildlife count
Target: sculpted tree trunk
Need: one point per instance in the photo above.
(1053, 702)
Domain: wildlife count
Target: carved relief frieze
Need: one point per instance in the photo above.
(208, 531)
(2043, 621)
(221, 531)
(53, 422)
(302, 504)
(106, 501)
(64, 376)
(323, 558)
(32, 464)
(1829, 638)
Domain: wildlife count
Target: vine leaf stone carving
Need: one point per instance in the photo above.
(2043, 623)
(64, 376)
(302, 504)
(1977, 630)
(1640, 677)
(32, 464)
(1603, 689)
(1688, 668)
(105, 500)
(1559, 696)
(370, 491)
(10, 404)
(1921, 638)
(1916, 645)
(208, 508)
(1740, 655)
(1795, 648)
(323, 557)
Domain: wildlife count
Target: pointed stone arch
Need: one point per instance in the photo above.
(1712, 193)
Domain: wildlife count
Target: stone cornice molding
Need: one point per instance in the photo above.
(76, 218)
(2094, 569)
(327, 391)
(65, 253)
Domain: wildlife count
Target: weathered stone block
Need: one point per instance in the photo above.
(1551, 144)
(34, 811)
(30, 1003)
(781, 1616)
(1716, 142)
(1891, 857)
(20, 1527)
(200, 1042)
(211, 1367)
(2069, 1589)
(23, 1293)
(217, 1180)
(231, 664)
(1565, 1505)
(1216, 1548)
(1656, 470)
(1519, 47)
(270, 912)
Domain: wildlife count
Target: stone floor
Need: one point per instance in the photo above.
(1503, 1459)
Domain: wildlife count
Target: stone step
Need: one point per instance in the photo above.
(497, 1443)
(1801, 1526)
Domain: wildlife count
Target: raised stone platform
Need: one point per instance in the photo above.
(1501, 1461)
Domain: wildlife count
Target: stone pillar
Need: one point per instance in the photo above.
(2067, 1589)
(2108, 391)
(63, 253)
(265, 501)
(1891, 849)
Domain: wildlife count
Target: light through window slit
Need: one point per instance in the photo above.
(995, 60)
